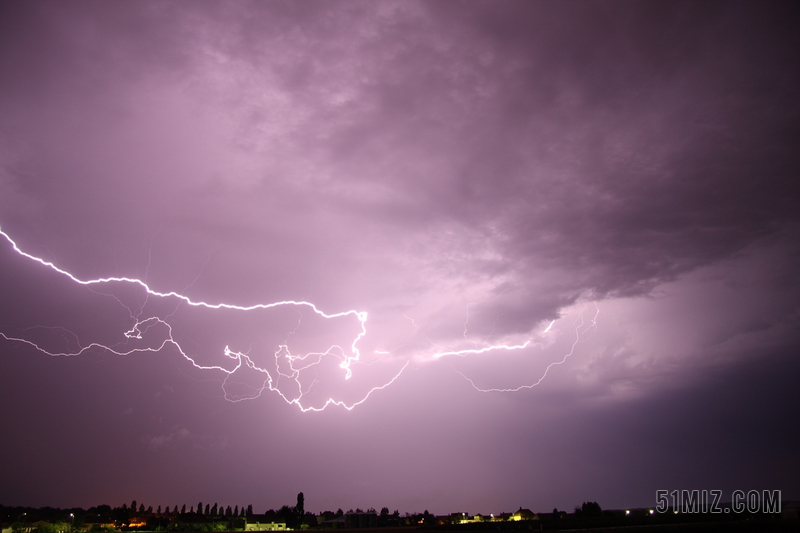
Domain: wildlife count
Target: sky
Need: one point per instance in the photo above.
(445, 256)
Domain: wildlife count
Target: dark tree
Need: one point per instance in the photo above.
(199, 507)
(133, 506)
(250, 510)
(589, 509)
(207, 510)
(213, 510)
(288, 515)
(300, 505)
(158, 511)
(339, 512)
(228, 511)
(183, 509)
(236, 511)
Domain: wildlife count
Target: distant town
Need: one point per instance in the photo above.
(204, 517)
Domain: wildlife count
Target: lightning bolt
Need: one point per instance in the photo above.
(483, 350)
(296, 363)
(288, 366)
(579, 331)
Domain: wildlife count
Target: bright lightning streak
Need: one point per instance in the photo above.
(578, 334)
(296, 363)
(483, 350)
(242, 359)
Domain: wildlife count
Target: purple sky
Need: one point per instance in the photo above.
(610, 180)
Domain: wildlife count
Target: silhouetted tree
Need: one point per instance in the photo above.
(288, 515)
(383, 518)
(158, 511)
(207, 510)
(300, 505)
(183, 509)
(213, 510)
(199, 507)
(236, 511)
(228, 511)
(589, 509)
(133, 506)
(339, 512)
(250, 510)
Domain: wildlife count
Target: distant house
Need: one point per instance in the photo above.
(262, 523)
(99, 526)
(459, 518)
(360, 520)
(337, 522)
(524, 514)
(330, 519)
(326, 516)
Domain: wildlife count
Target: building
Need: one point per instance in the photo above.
(360, 520)
(261, 523)
(523, 514)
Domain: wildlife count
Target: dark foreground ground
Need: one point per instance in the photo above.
(711, 527)
(655, 524)
(695, 526)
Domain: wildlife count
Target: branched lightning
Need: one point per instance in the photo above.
(579, 331)
(288, 366)
(296, 363)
